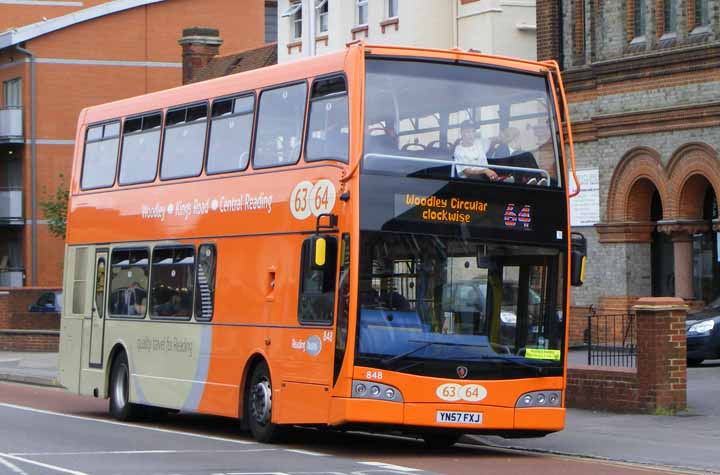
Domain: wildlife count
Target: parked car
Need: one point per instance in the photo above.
(47, 302)
(703, 334)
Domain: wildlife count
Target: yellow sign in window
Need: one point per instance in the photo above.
(542, 354)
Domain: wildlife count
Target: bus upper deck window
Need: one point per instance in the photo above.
(140, 145)
(101, 153)
(230, 133)
(280, 124)
(184, 142)
(328, 131)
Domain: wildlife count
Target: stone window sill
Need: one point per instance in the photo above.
(394, 21)
(294, 44)
(358, 30)
(322, 38)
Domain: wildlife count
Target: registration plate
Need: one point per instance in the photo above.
(455, 417)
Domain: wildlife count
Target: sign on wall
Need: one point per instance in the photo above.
(585, 207)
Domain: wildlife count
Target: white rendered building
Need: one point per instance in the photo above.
(314, 27)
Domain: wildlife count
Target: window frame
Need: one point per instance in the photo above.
(148, 309)
(303, 268)
(160, 144)
(359, 5)
(109, 267)
(11, 84)
(325, 77)
(294, 13)
(101, 139)
(251, 150)
(322, 9)
(200, 246)
(257, 123)
(392, 9)
(669, 28)
(165, 127)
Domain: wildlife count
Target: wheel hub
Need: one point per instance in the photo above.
(261, 401)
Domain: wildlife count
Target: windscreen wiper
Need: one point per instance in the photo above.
(512, 359)
(425, 344)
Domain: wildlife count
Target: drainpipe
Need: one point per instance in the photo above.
(33, 166)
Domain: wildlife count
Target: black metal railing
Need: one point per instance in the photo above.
(611, 339)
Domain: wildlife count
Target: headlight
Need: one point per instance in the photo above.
(508, 318)
(701, 328)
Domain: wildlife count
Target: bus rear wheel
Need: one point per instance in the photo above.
(259, 406)
(440, 440)
(120, 406)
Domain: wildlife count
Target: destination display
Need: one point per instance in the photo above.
(473, 209)
(454, 210)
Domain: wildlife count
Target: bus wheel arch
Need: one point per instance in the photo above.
(119, 404)
(257, 397)
(116, 350)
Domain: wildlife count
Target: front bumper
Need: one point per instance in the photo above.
(349, 411)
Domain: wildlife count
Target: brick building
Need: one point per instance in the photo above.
(643, 82)
(57, 57)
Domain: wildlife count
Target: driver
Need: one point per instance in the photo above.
(471, 150)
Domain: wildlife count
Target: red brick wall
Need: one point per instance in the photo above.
(578, 325)
(548, 29)
(46, 342)
(608, 389)
(21, 330)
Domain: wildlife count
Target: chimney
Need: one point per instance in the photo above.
(199, 45)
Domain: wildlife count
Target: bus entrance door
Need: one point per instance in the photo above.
(97, 313)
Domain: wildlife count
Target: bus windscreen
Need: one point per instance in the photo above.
(429, 304)
(442, 119)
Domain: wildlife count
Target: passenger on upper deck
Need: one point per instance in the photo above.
(471, 150)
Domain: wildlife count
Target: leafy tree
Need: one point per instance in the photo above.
(55, 208)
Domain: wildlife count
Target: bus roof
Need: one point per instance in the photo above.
(287, 72)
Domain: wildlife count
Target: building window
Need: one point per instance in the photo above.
(670, 16)
(12, 92)
(702, 13)
(639, 18)
(294, 12)
(392, 8)
(271, 14)
(362, 12)
(322, 16)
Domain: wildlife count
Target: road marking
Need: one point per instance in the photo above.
(389, 466)
(123, 424)
(257, 473)
(306, 452)
(12, 467)
(43, 465)
(136, 452)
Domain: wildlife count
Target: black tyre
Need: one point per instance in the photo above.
(440, 440)
(258, 410)
(120, 406)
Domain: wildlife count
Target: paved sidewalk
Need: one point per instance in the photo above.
(31, 368)
(688, 441)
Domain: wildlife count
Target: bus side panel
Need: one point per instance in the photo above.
(70, 346)
(70, 334)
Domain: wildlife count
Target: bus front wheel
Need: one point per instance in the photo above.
(259, 406)
(120, 406)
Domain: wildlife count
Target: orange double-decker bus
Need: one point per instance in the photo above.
(375, 238)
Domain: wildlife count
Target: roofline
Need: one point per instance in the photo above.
(18, 35)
